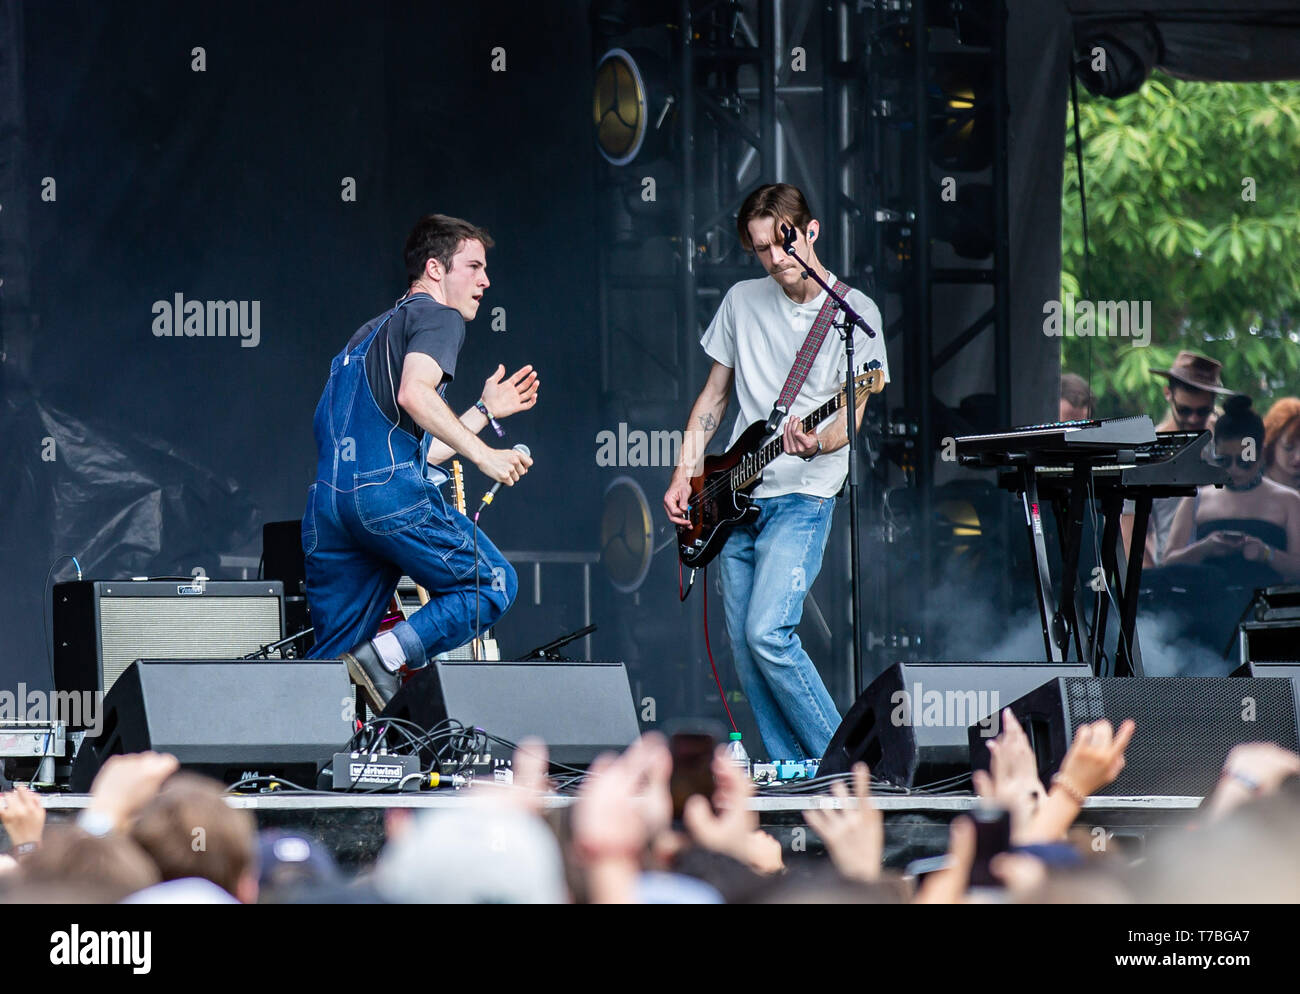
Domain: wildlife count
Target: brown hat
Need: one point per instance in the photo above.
(1199, 372)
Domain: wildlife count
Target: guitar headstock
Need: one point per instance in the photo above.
(870, 380)
(458, 485)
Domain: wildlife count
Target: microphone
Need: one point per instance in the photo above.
(522, 449)
(788, 236)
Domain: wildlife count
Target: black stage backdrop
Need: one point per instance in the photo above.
(128, 177)
(229, 184)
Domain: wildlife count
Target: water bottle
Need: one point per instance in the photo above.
(736, 753)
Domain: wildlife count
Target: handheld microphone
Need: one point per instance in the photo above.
(487, 497)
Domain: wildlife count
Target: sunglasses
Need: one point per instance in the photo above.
(1239, 459)
(1187, 412)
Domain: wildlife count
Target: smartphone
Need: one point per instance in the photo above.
(992, 836)
(692, 754)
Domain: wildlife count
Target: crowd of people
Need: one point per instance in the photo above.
(154, 834)
(1206, 555)
(1249, 527)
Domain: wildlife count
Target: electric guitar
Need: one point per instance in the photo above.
(720, 495)
(485, 647)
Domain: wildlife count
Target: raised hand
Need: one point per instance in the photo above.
(531, 765)
(854, 837)
(733, 830)
(949, 885)
(124, 784)
(1012, 780)
(504, 397)
(23, 815)
(1096, 756)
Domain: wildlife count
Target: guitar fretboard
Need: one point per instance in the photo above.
(752, 465)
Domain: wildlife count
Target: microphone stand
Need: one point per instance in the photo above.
(849, 320)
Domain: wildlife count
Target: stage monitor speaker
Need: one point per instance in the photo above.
(578, 709)
(229, 719)
(909, 726)
(1185, 726)
(1275, 669)
(102, 626)
(1269, 641)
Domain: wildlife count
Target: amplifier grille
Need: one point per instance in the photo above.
(198, 627)
(1186, 725)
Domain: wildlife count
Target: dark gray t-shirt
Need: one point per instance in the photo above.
(423, 325)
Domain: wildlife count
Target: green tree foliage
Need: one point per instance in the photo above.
(1171, 172)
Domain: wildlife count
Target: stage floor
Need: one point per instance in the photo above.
(352, 826)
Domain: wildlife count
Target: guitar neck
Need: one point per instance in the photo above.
(751, 465)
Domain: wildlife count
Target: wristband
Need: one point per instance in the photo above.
(1250, 783)
(815, 454)
(23, 848)
(1071, 791)
(496, 427)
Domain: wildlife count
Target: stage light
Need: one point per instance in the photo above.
(619, 107)
(626, 535)
(632, 105)
(961, 113)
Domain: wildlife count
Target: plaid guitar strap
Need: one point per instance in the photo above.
(804, 359)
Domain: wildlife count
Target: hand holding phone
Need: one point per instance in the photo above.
(692, 769)
(992, 836)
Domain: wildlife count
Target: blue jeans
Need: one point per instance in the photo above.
(767, 568)
(372, 516)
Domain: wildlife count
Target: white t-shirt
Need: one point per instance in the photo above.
(757, 332)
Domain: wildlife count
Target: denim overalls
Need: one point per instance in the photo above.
(372, 516)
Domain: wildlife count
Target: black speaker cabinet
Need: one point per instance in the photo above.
(230, 719)
(910, 725)
(1277, 670)
(579, 709)
(1185, 726)
(102, 626)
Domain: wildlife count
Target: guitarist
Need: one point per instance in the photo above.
(769, 564)
(375, 510)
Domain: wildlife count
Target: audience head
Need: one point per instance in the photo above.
(1239, 441)
(290, 864)
(1194, 380)
(483, 854)
(1282, 441)
(189, 830)
(1249, 857)
(1077, 401)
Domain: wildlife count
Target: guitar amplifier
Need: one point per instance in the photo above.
(102, 626)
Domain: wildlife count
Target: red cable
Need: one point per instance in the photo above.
(708, 648)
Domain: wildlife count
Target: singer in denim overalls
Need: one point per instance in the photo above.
(374, 512)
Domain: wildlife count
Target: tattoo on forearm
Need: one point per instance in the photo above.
(708, 422)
